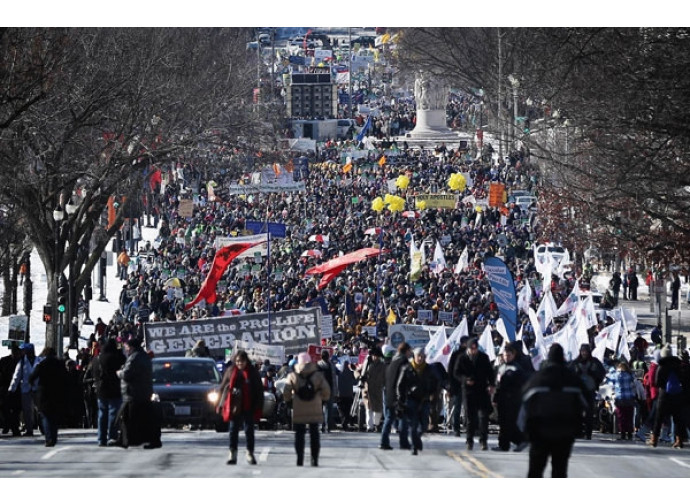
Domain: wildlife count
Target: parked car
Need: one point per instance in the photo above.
(188, 391)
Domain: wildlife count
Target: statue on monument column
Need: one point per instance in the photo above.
(429, 94)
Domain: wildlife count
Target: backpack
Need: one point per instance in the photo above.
(306, 392)
(673, 386)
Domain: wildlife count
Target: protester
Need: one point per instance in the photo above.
(246, 394)
(553, 403)
(50, 377)
(306, 405)
(103, 370)
(139, 422)
(475, 372)
(373, 375)
(10, 402)
(671, 397)
(592, 373)
(391, 408)
(511, 379)
(20, 382)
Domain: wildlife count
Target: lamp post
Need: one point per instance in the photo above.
(71, 209)
(515, 84)
(58, 215)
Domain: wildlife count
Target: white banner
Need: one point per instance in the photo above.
(259, 353)
(223, 241)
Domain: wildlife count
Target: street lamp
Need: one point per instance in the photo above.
(58, 216)
(71, 209)
(515, 83)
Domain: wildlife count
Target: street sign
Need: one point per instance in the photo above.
(276, 229)
(8, 342)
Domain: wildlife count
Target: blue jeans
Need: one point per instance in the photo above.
(390, 416)
(457, 409)
(418, 417)
(107, 419)
(50, 428)
(246, 418)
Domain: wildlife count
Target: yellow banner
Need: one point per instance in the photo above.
(437, 200)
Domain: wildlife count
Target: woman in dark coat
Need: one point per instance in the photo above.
(245, 378)
(51, 375)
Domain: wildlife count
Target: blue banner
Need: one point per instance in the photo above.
(276, 229)
(503, 289)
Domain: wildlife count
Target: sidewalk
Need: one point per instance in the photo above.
(647, 318)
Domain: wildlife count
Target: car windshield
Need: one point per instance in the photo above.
(187, 371)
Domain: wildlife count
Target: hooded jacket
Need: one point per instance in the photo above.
(306, 412)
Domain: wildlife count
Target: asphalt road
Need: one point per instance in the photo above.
(202, 454)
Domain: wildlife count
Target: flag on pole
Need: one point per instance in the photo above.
(460, 331)
(571, 301)
(463, 262)
(487, 343)
(364, 130)
(436, 350)
(439, 261)
(416, 261)
(524, 297)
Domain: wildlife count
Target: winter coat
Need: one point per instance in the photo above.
(307, 412)
(666, 365)
(553, 402)
(373, 374)
(392, 376)
(252, 388)
(50, 376)
(649, 382)
(508, 393)
(479, 370)
(136, 379)
(20, 378)
(416, 383)
(591, 371)
(103, 371)
(346, 383)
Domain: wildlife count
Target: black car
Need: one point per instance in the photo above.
(188, 391)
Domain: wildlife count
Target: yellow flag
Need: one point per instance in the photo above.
(347, 167)
(391, 318)
(382, 161)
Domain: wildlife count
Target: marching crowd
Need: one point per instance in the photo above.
(399, 388)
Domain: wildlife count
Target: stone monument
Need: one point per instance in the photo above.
(431, 97)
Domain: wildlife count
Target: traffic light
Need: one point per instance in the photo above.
(62, 299)
(47, 314)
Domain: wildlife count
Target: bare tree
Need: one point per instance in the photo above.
(103, 106)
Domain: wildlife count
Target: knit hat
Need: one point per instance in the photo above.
(419, 351)
(303, 358)
(556, 354)
(666, 352)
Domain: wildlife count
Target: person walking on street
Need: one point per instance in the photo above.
(346, 383)
(633, 284)
(671, 397)
(675, 291)
(103, 370)
(330, 374)
(308, 389)
(415, 388)
(243, 383)
(624, 394)
(512, 378)
(390, 401)
(455, 386)
(20, 381)
(10, 402)
(551, 414)
(50, 376)
(373, 375)
(592, 372)
(138, 418)
(475, 372)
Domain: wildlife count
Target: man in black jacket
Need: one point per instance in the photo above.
(455, 386)
(390, 406)
(476, 374)
(553, 402)
(103, 371)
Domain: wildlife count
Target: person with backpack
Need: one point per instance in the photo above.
(307, 389)
(671, 396)
(20, 382)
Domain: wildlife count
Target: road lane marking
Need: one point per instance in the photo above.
(18, 472)
(679, 462)
(472, 465)
(263, 457)
(54, 452)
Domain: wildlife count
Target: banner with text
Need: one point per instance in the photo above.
(294, 330)
(438, 200)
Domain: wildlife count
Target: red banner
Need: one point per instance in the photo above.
(331, 269)
(221, 261)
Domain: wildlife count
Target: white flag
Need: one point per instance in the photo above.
(463, 262)
(439, 260)
(487, 343)
(623, 349)
(458, 332)
(436, 350)
(524, 297)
